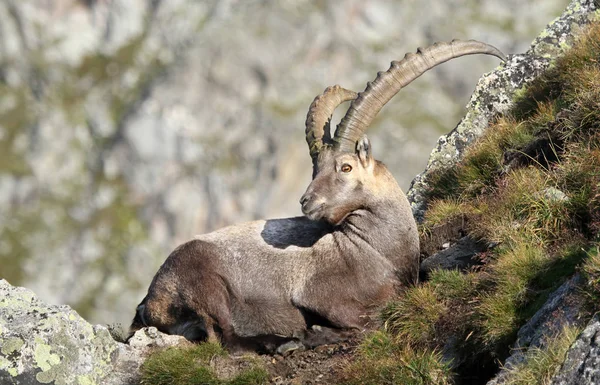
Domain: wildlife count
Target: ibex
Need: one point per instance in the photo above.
(356, 245)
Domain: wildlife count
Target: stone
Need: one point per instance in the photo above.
(561, 309)
(457, 256)
(582, 364)
(41, 343)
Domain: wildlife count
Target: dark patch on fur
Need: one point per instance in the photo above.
(282, 233)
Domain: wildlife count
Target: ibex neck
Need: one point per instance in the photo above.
(381, 225)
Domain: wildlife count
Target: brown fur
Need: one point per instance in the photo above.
(253, 283)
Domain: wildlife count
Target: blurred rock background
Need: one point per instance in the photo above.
(128, 126)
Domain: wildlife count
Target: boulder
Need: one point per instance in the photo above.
(460, 255)
(41, 343)
(582, 365)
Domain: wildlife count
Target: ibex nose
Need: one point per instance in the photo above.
(305, 198)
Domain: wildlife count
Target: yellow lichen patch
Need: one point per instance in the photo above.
(44, 358)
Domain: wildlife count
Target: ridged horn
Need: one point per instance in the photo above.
(367, 105)
(319, 116)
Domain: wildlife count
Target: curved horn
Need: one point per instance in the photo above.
(319, 116)
(365, 107)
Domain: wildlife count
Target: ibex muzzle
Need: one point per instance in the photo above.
(344, 184)
(355, 246)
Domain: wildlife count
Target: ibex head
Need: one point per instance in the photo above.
(343, 166)
(344, 183)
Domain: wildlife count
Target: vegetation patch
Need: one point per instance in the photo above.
(540, 364)
(414, 316)
(591, 272)
(203, 364)
(382, 360)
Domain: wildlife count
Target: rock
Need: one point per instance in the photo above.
(289, 347)
(149, 338)
(561, 309)
(496, 90)
(555, 195)
(457, 256)
(41, 343)
(582, 365)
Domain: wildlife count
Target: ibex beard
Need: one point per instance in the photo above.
(259, 284)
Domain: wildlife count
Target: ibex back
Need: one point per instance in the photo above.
(355, 246)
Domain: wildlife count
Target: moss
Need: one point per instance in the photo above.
(193, 366)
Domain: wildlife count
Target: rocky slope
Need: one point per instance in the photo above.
(44, 343)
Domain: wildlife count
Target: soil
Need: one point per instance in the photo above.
(318, 365)
(312, 366)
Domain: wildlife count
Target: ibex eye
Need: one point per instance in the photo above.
(346, 168)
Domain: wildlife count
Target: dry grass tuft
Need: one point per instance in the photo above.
(540, 364)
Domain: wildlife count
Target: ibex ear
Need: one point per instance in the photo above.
(363, 150)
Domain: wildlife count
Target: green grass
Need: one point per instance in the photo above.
(381, 360)
(453, 284)
(192, 366)
(413, 317)
(441, 212)
(541, 363)
(591, 273)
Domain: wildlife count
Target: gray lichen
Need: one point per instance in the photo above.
(49, 344)
(41, 343)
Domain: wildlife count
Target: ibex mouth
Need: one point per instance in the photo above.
(314, 213)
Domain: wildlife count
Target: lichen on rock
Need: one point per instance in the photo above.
(41, 343)
(582, 364)
(49, 344)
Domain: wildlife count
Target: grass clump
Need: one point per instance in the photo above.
(413, 317)
(193, 366)
(541, 363)
(591, 273)
(381, 360)
(453, 284)
(498, 315)
(440, 211)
